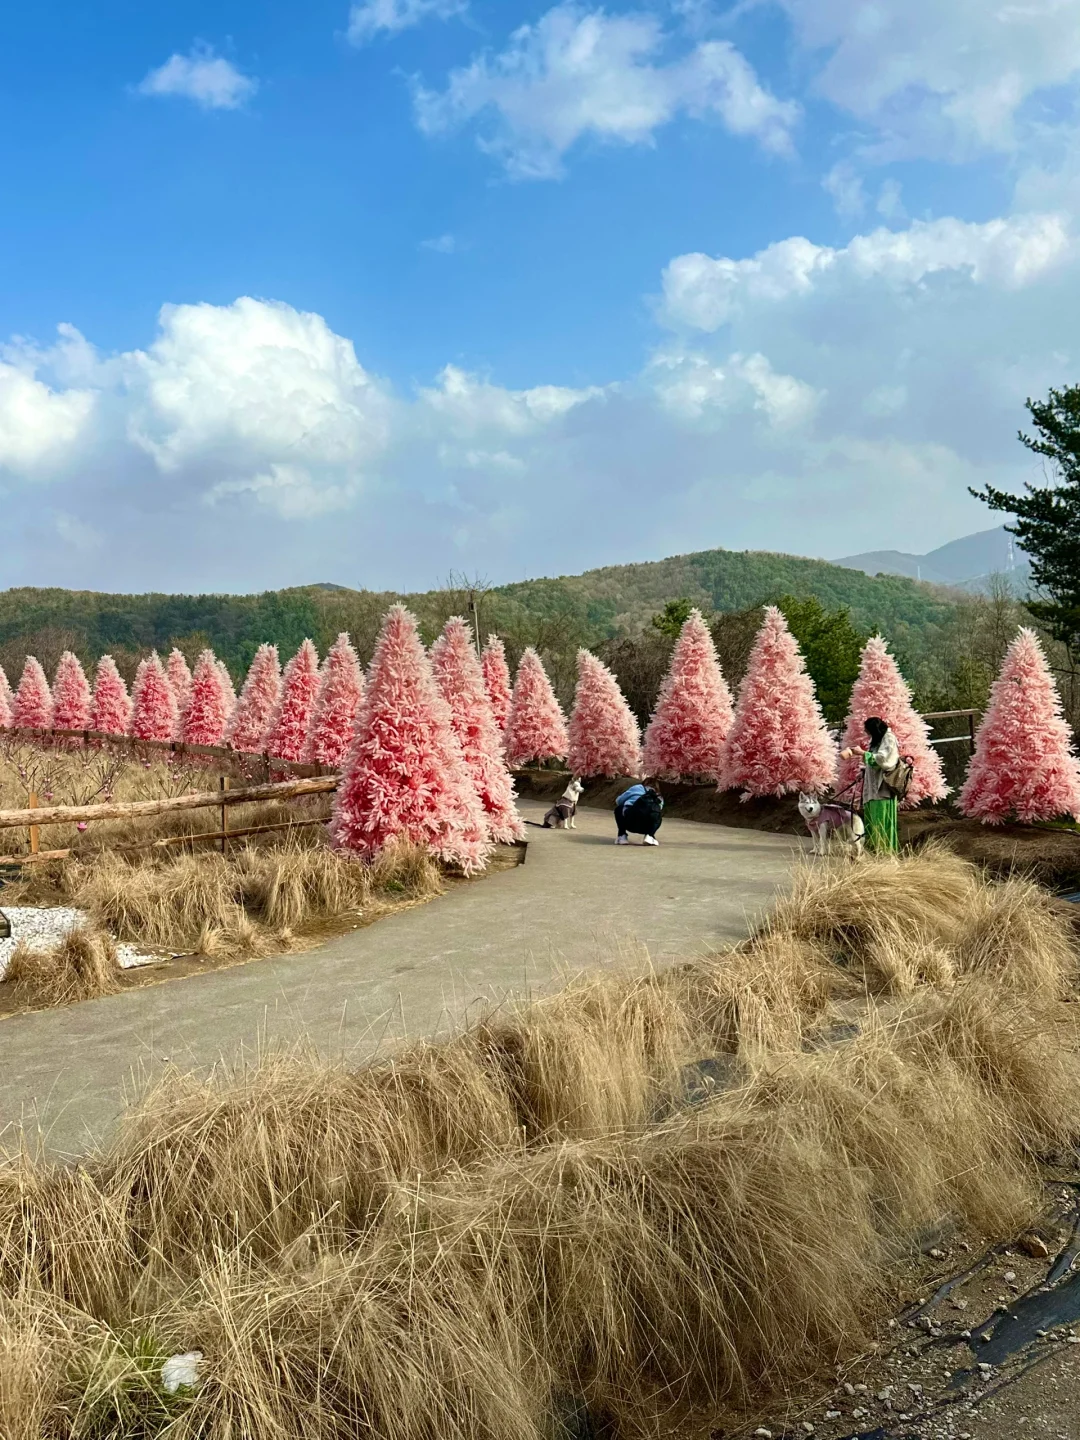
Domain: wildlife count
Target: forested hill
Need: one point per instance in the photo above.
(554, 614)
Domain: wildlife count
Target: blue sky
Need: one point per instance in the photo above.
(370, 294)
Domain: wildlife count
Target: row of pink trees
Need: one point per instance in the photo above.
(308, 714)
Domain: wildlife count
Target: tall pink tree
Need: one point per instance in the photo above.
(179, 675)
(207, 710)
(604, 736)
(287, 733)
(881, 690)
(33, 707)
(1023, 767)
(258, 701)
(684, 740)
(6, 692)
(461, 682)
(110, 708)
(406, 776)
(70, 695)
(341, 689)
(228, 689)
(497, 680)
(153, 704)
(536, 730)
(778, 741)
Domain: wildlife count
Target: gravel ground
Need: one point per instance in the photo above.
(48, 925)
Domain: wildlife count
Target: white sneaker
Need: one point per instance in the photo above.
(650, 840)
(622, 840)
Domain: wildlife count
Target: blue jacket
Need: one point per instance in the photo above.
(634, 793)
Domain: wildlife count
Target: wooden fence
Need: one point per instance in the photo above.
(35, 816)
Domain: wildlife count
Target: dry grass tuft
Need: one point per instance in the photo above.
(82, 966)
(248, 903)
(435, 1245)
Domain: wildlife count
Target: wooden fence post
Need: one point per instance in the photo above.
(224, 785)
(35, 830)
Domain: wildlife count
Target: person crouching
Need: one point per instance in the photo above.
(639, 811)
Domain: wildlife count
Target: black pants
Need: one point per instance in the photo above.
(637, 818)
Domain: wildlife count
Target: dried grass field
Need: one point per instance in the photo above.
(665, 1195)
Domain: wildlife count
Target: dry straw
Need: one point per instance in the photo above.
(440, 1244)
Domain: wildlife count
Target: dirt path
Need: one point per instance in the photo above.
(577, 901)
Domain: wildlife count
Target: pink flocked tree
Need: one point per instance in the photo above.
(5, 710)
(536, 730)
(153, 704)
(258, 700)
(405, 776)
(179, 675)
(461, 682)
(207, 711)
(341, 689)
(110, 708)
(685, 737)
(497, 680)
(1023, 767)
(228, 689)
(604, 736)
(32, 708)
(6, 694)
(778, 741)
(70, 695)
(882, 691)
(287, 733)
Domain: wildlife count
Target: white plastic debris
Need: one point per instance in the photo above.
(181, 1371)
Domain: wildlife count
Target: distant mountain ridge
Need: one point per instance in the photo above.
(967, 563)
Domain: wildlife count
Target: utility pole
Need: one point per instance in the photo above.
(474, 611)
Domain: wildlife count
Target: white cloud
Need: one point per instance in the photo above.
(440, 245)
(802, 394)
(39, 426)
(942, 77)
(213, 82)
(585, 74)
(844, 184)
(390, 17)
(704, 292)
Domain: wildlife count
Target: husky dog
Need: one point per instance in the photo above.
(825, 821)
(561, 815)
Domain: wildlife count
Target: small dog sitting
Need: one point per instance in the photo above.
(826, 821)
(561, 815)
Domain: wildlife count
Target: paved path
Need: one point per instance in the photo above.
(577, 901)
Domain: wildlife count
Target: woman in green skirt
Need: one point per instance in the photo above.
(879, 801)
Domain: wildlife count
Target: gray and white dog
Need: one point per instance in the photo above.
(826, 821)
(561, 815)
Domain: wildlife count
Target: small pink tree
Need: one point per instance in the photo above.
(287, 734)
(685, 737)
(536, 730)
(33, 707)
(70, 695)
(461, 681)
(153, 704)
(405, 776)
(341, 689)
(179, 675)
(258, 701)
(497, 680)
(778, 741)
(604, 736)
(204, 718)
(228, 689)
(1023, 766)
(110, 708)
(881, 690)
(5, 711)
